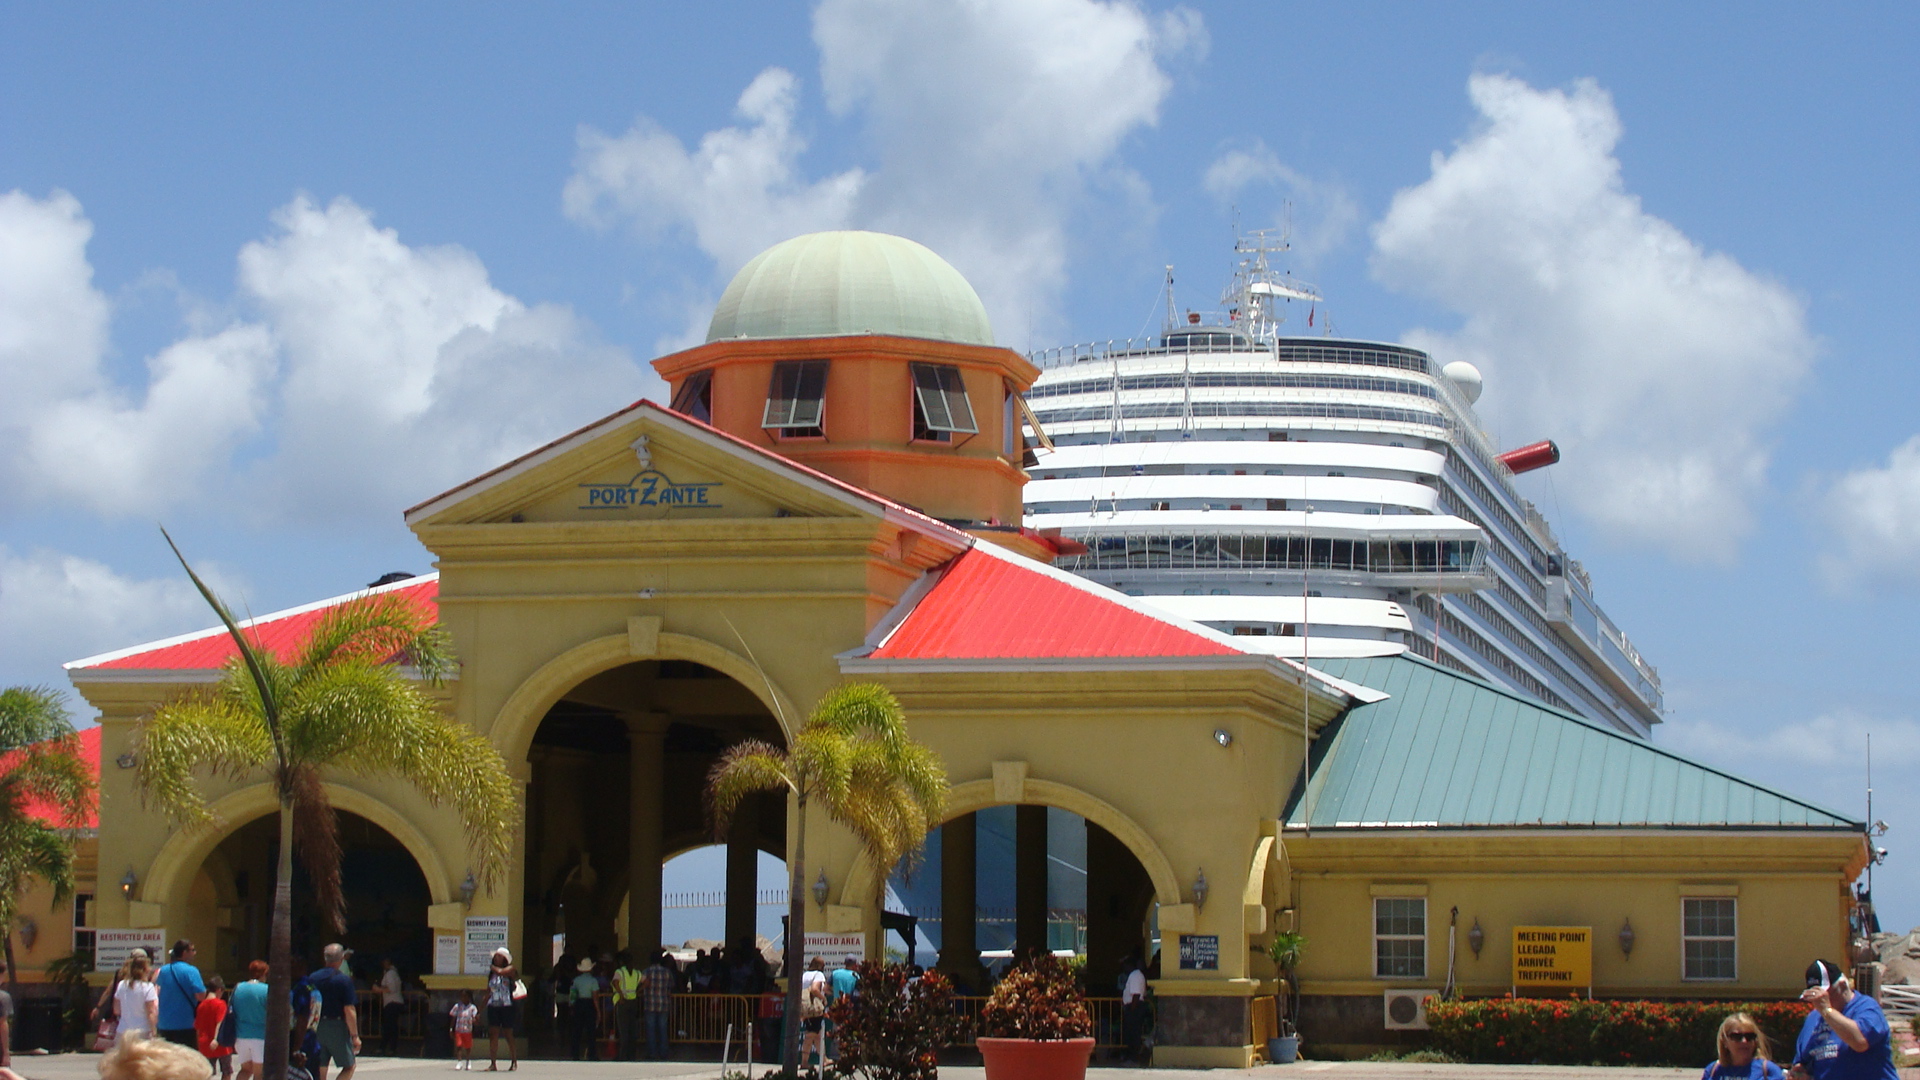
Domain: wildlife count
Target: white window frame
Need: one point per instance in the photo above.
(1379, 938)
(940, 402)
(790, 404)
(1734, 938)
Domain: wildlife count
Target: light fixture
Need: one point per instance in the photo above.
(468, 888)
(820, 888)
(126, 760)
(1626, 937)
(1223, 736)
(1476, 938)
(29, 932)
(1200, 891)
(127, 882)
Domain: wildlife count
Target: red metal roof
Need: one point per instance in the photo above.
(989, 604)
(89, 753)
(281, 633)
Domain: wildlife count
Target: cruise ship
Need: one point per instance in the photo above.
(1333, 497)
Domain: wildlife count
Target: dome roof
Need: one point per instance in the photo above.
(833, 284)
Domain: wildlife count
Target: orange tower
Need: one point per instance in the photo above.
(868, 357)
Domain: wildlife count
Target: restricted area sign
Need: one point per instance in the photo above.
(1559, 956)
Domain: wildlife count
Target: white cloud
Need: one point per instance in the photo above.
(1874, 514)
(738, 193)
(991, 121)
(406, 371)
(1659, 367)
(56, 607)
(1322, 211)
(1829, 748)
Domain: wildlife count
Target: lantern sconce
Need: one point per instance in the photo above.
(1626, 938)
(1200, 891)
(126, 760)
(127, 882)
(820, 888)
(1223, 736)
(1476, 938)
(29, 932)
(468, 888)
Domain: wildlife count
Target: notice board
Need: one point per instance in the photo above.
(1560, 956)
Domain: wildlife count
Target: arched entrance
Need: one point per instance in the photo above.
(617, 770)
(386, 894)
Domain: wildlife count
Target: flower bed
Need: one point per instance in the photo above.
(1574, 1032)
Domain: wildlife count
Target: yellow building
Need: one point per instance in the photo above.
(638, 595)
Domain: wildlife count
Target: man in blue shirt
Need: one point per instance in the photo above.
(339, 1025)
(1846, 1036)
(180, 994)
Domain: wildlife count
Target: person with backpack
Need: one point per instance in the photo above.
(180, 992)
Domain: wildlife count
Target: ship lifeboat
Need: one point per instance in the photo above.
(1528, 458)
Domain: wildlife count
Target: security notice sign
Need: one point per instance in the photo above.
(485, 933)
(1553, 956)
(110, 947)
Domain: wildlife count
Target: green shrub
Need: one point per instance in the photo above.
(1039, 999)
(1575, 1032)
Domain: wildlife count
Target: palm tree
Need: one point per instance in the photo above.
(43, 772)
(853, 754)
(342, 703)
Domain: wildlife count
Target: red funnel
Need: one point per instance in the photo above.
(1528, 458)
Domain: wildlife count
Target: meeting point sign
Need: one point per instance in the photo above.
(1556, 956)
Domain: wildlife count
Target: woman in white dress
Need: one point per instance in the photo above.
(138, 1000)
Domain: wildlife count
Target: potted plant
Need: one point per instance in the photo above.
(1284, 951)
(1036, 1025)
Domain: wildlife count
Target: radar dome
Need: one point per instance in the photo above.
(836, 284)
(1466, 377)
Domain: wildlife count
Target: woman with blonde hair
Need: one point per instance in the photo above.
(139, 1058)
(1744, 1053)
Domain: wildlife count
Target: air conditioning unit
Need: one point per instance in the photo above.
(1407, 1009)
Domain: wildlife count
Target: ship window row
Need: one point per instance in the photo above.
(1479, 605)
(1406, 360)
(1161, 410)
(1271, 552)
(1486, 650)
(1206, 379)
(1536, 556)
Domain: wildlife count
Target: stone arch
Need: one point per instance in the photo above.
(171, 872)
(519, 718)
(980, 794)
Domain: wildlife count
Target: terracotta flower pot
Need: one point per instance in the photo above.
(1035, 1059)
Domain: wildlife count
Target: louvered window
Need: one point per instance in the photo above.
(940, 406)
(695, 397)
(796, 398)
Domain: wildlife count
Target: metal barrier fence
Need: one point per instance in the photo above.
(373, 1020)
(704, 1018)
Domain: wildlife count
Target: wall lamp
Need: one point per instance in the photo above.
(127, 882)
(126, 760)
(1626, 937)
(1476, 938)
(1223, 736)
(1200, 891)
(29, 932)
(820, 888)
(468, 888)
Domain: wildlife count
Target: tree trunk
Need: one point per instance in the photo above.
(13, 991)
(796, 944)
(280, 955)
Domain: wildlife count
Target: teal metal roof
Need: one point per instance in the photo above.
(1448, 750)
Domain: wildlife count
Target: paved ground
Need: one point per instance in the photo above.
(83, 1067)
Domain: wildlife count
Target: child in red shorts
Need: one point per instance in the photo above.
(463, 1017)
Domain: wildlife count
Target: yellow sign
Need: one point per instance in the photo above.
(1553, 956)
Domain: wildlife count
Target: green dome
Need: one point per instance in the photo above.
(834, 284)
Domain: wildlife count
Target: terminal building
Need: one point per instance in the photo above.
(835, 494)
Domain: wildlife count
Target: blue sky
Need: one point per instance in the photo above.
(271, 276)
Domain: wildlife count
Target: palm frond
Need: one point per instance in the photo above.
(48, 774)
(744, 769)
(32, 714)
(205, 730)
(249, 656)
(379, 629)
(31, 850)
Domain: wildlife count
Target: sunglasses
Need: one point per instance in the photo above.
(1743, 1036)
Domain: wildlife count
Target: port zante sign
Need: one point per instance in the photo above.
(1553, 956)
(650, 487)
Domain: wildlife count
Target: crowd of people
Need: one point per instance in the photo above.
(617, 999)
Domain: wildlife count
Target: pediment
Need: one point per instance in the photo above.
(643, 464)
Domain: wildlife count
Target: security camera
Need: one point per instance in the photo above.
(1879, 854)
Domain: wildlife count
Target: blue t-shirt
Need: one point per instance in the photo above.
(180, 990)
(1821, 1053)
(842, 982)
(336, 991)
(1758, 1069)
(250, 1010)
